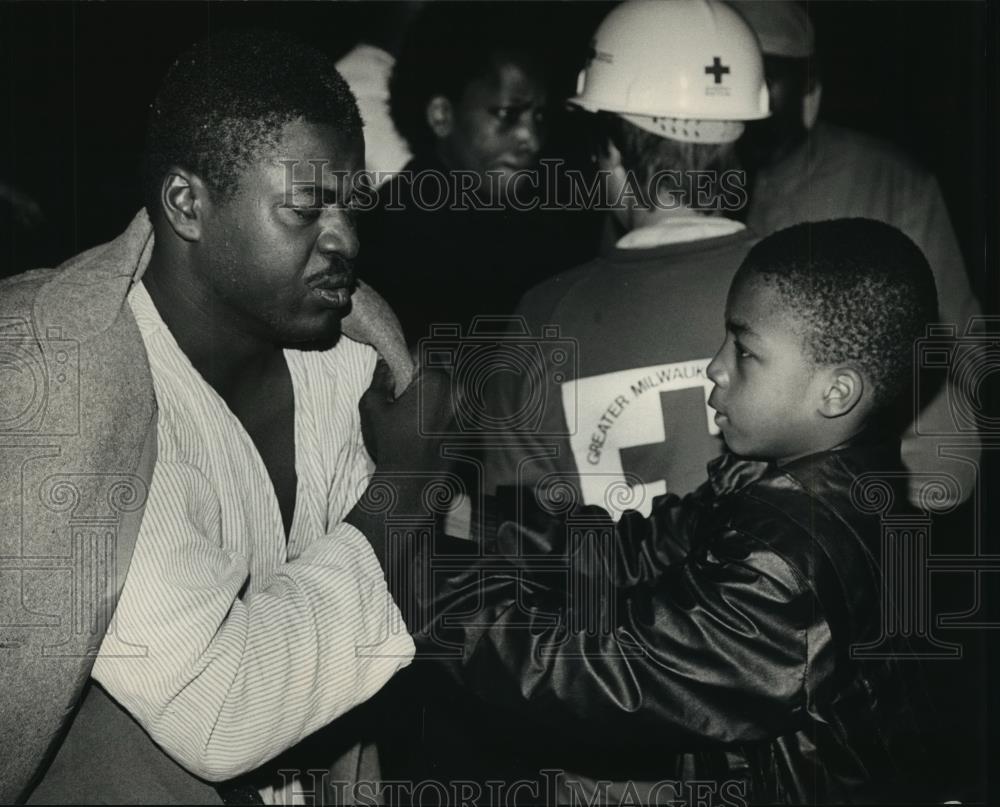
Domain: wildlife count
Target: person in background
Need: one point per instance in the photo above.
(458, 234)
(807, 169)
(366, 68)
(669, 87)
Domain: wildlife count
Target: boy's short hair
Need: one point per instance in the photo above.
(450, 45)
(862, 291)
(226, 100)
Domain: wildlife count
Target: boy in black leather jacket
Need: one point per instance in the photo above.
(740, 636)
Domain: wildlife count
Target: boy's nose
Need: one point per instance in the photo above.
(716, 371)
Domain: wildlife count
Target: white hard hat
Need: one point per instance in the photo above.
(685, 69)
(783, 27)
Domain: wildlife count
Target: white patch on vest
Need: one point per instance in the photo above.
(621, 410)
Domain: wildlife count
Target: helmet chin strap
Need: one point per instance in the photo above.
(810, 106)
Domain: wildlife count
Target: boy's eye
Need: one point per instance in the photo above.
(742, 352)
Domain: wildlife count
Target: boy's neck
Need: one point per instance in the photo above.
(833, 444)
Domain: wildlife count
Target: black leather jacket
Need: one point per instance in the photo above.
(715, 641)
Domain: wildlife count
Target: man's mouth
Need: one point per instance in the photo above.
(514, 164)
(332, 290)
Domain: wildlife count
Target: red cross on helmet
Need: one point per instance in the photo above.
(686, 69)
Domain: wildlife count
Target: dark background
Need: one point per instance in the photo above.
(77, 80)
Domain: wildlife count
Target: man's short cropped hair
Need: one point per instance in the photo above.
(450, 45)
(647, 156)
(862, 291)
(225, 101)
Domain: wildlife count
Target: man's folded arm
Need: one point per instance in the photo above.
(224, 680)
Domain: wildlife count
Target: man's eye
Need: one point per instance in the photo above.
(308, 214)
(742, 352)
(354, 206)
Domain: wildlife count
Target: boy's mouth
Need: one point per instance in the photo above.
(719, 411)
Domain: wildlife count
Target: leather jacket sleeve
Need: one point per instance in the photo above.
(635, 550)
(711, 647)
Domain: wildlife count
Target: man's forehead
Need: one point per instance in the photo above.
(316, 149)
(511, 79)
(320, 174)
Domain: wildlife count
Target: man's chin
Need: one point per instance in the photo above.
(320, 334)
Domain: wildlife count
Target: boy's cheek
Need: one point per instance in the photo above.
(731, 440)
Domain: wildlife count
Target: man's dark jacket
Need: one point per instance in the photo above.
(739, 636)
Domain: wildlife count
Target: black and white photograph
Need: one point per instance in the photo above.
(480, 402)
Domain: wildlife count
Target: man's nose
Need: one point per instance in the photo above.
(530, 133)
(339, 234)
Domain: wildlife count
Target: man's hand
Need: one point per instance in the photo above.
(404, 433)
(404, 437)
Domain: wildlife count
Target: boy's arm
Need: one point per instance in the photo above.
(635, 550)
(715, 650)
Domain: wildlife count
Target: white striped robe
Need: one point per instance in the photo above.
(227, 645)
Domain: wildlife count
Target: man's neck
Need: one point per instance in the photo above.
(222, 354)
(665, 212)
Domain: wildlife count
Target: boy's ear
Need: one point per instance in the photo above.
(440, 116)
(184, 198)
(844, 387)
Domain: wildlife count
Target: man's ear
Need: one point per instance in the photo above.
(184, 199)
(844, 387)
(440, 116)
(810, 105)
(610, 162)
(611, 159)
